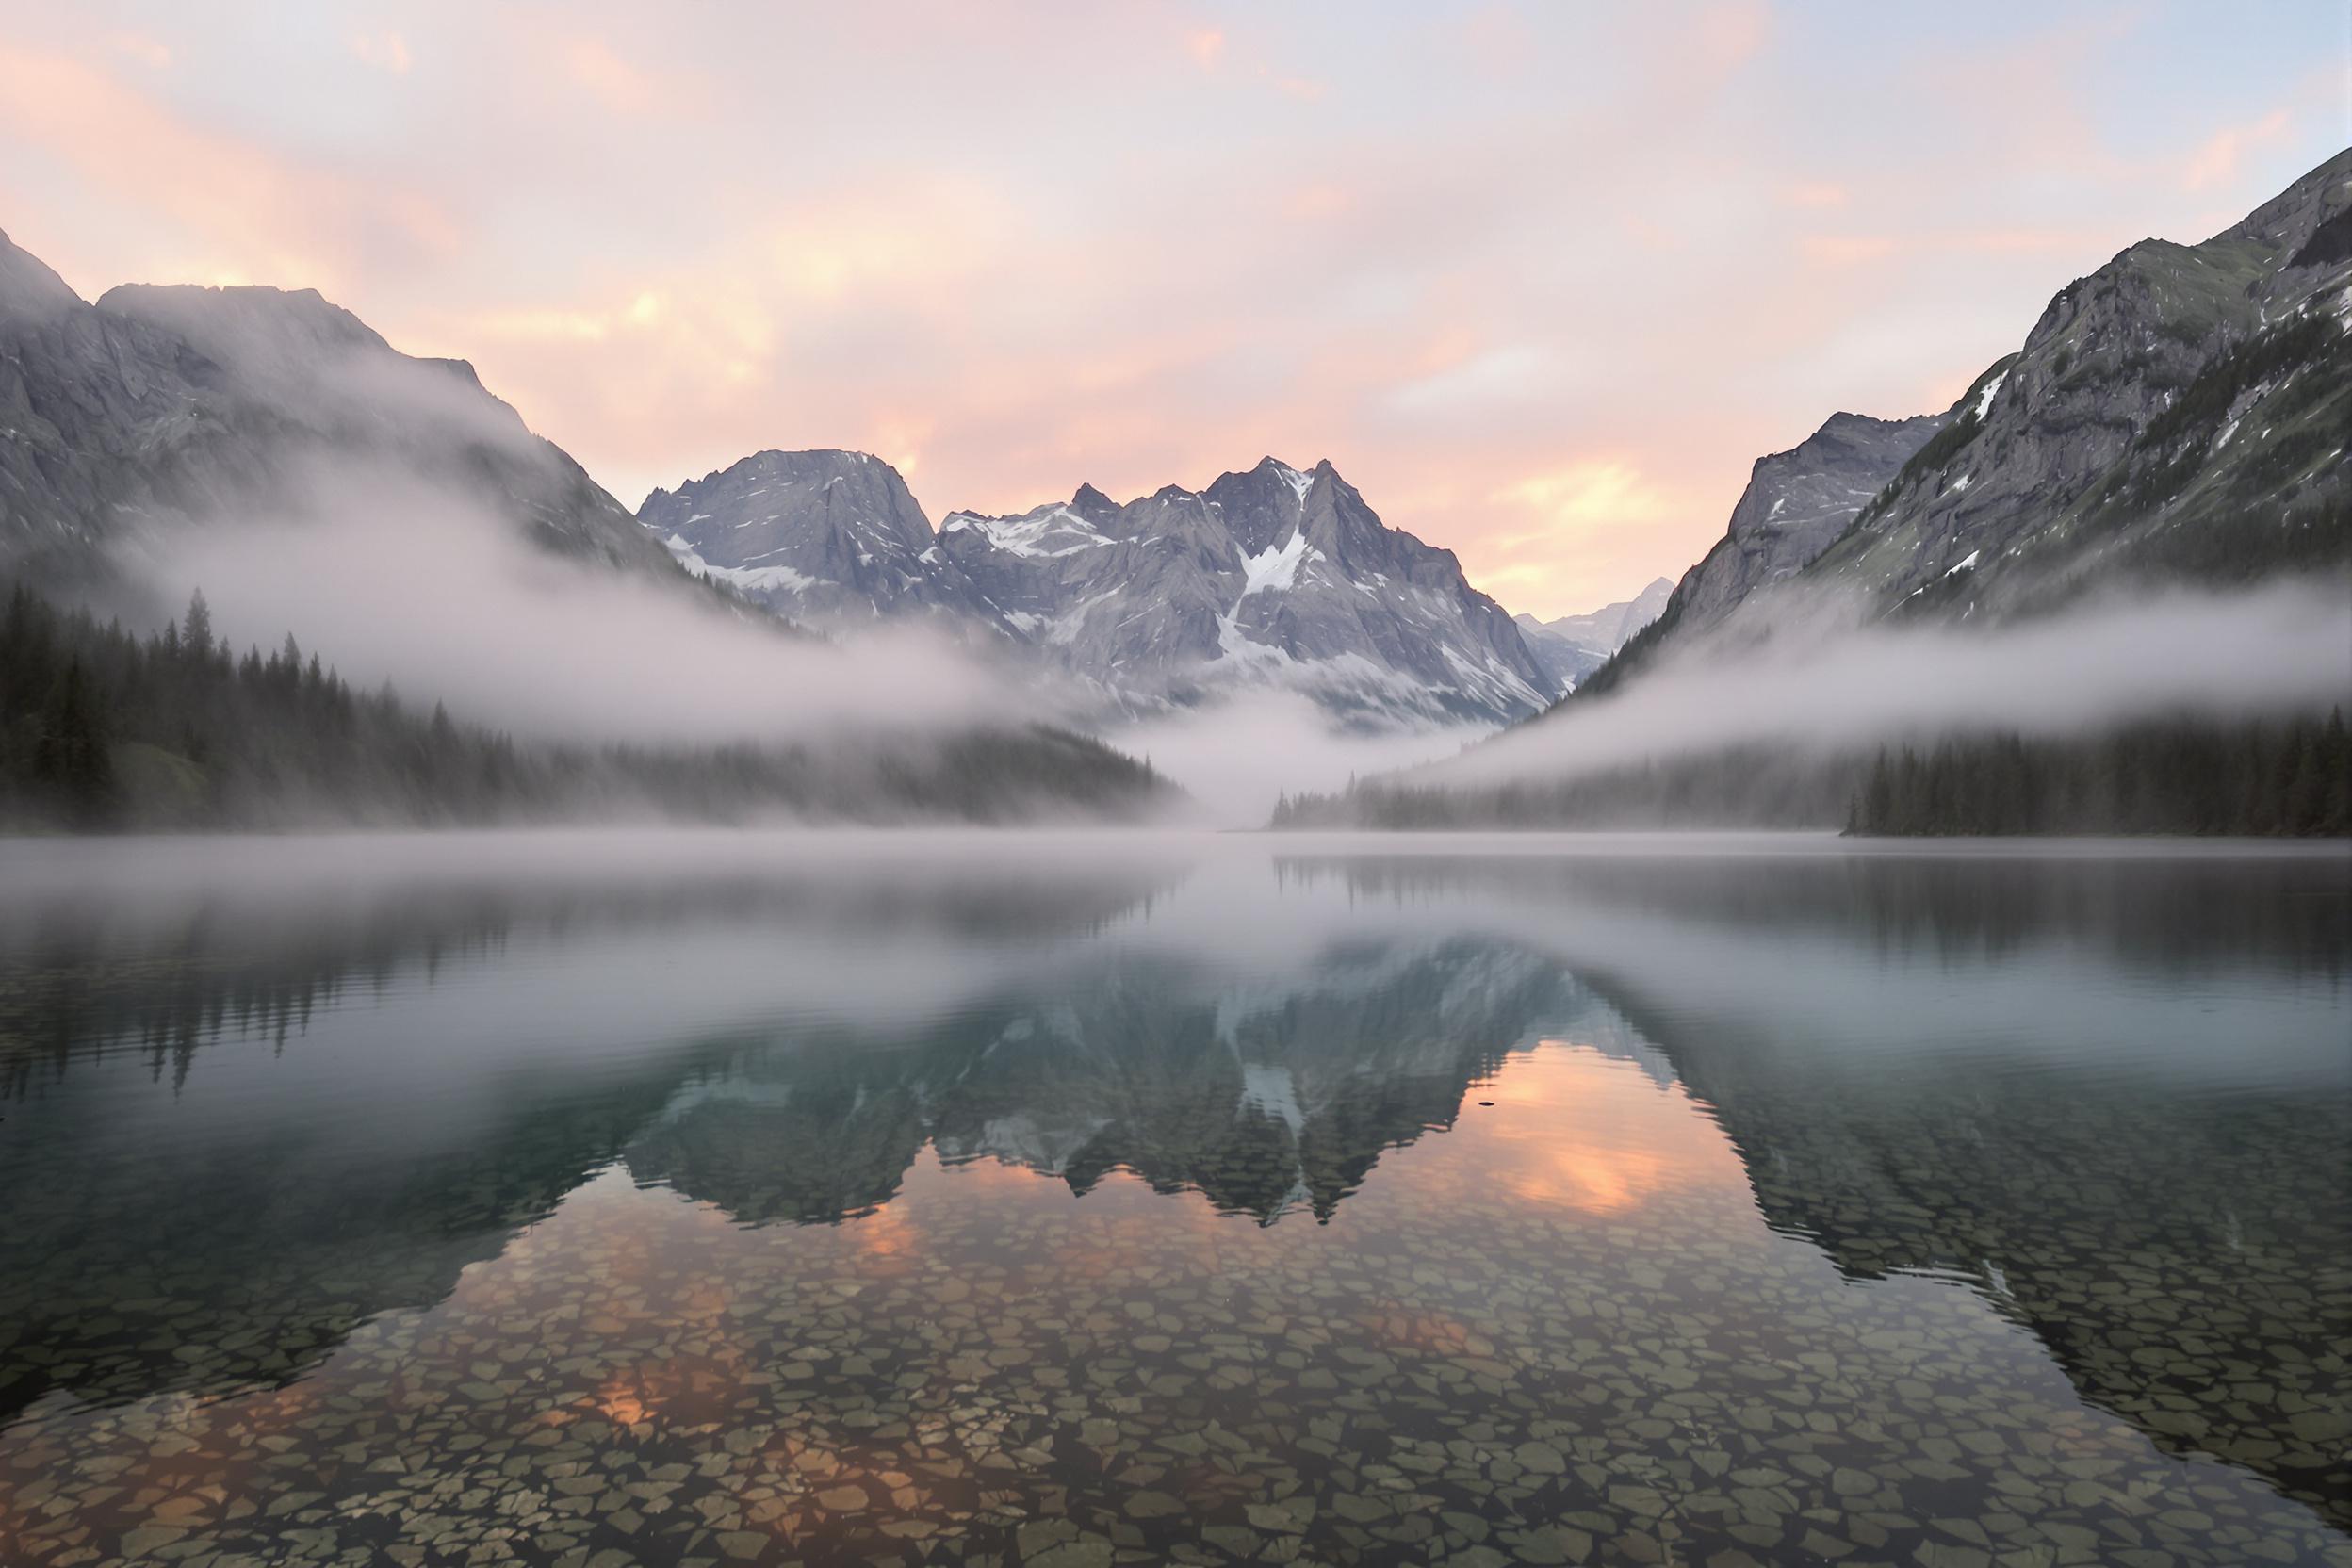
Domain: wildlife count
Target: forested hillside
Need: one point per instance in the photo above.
(2292, 779)
(101, 729)
(2267, 779)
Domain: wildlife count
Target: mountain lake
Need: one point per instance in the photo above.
(1075, 1199)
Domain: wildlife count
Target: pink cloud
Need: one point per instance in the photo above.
(1815, 193)
(387, 51)
(146, 48)
(1542, 283)
(247, 213)
(622, 86)
(2216, 160)
(1847, 249)
(1728, 36)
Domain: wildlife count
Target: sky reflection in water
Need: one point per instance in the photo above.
(1070, 1200)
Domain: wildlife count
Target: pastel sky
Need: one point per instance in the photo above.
(1542, 280)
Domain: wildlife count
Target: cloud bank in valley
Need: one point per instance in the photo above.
(2278, 649)
(1238, 755)
(392, 579)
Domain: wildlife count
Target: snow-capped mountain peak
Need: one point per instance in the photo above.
(1270, 575)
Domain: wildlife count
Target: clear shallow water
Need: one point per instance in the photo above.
(1076, 1200)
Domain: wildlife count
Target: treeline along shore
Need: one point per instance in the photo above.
(103, 729)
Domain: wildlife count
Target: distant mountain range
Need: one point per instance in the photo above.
(1273, 576)
(1574, 646)
(2184, 413)
(160, 410)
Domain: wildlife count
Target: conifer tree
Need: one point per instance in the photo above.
(196, 636)
(71, 758)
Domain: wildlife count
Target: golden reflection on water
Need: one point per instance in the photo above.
(979, 1303)
(1599, 1136)
(652, 1310)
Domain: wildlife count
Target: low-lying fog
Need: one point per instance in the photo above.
(415, 586)
(1809, 684)
(628, 938)
(549, 647)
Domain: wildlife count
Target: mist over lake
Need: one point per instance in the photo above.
(1034, 786)
(1063, 1197)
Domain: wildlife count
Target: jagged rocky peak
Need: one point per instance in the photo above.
(819, 536)
(827, 484)
(248, 325)
(164, 407)
(1053, 529)
(2173, 410)
(1264, 504)
(296, 347)
(2309, 221)
(30, 289)
(1271, 575)
(1796, 505)
(2178, 416)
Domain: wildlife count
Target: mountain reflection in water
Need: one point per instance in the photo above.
(1920, 1203)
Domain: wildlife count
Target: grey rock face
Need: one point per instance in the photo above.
(159, 405)
(1273, 577)
(1797, 503)
(2181, 415)
(1573, 646)
(31, 290)
(817, 537)
(1268, 576)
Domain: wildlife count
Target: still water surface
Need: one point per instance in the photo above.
(1028, 1199)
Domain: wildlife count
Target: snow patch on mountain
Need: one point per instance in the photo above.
(1272, 570)
(1272, 575)
(1048, 533)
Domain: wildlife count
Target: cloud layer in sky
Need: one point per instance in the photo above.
(1543, 280)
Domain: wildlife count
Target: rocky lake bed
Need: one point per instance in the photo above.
(680, 1200)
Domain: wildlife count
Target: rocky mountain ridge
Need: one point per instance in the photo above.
(160, 407)
(1269, 577)
(2181, 415)
(162, 411)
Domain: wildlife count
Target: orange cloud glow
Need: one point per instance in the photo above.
(612, 81)
(247, 212)
(1597, 1137)
(1542, 281)
(1601, 493)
